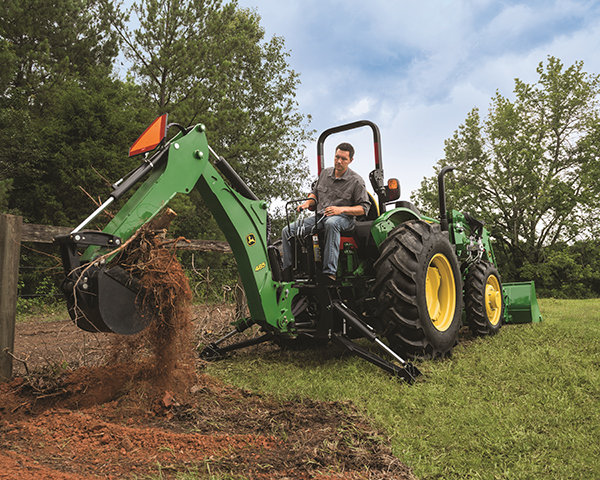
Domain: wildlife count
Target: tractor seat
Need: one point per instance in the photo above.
(359, 234)
(373, 212)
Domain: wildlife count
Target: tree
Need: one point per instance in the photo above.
(530, 168)
(66, 120)
(568, 271)
(84, 140)
(201, 61)
(61, 112)
(46, 42)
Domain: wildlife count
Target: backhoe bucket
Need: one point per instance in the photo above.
(521, 303)
(101, 299)
(109, 301)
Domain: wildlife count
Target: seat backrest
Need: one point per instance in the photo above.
(373, 210)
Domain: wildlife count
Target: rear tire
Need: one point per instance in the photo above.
(484, 303)
(418, 286)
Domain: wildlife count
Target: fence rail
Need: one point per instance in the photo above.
(12, 233)
(46, 234)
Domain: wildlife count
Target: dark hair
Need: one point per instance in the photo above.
(346, 147)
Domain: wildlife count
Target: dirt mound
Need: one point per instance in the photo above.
(112, 422)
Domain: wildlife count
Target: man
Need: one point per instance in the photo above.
(340, 195)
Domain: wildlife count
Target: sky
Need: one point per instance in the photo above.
(417, 68)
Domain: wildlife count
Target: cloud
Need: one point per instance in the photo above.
(418, 68)
(360, 109)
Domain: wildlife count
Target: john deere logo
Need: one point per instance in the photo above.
(250, 239)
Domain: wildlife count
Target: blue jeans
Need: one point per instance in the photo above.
(333, 226)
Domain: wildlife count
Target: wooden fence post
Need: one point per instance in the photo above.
(10, 248)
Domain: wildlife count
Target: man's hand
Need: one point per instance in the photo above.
(356, 210)
(330, 211)
(303, 206)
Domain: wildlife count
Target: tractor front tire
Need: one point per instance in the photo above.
(484, 303)
(419, 290)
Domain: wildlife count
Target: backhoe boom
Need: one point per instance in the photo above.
(243, 220)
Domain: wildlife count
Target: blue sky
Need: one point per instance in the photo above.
(416, 68)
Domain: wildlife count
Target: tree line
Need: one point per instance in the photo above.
(81, 79)
(530, 170)
(67, 116)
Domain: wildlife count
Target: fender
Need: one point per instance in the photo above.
(383, 225)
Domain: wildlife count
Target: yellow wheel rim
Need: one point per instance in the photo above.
(493, 299)
(441, 292)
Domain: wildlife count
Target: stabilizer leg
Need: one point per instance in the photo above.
(407, 371)
(215, 352)
(404, 373)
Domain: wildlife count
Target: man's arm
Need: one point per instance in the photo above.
(308, 203)
(355, 211)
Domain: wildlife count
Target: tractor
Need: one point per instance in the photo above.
(405, 282)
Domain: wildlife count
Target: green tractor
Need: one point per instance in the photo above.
(402, 276)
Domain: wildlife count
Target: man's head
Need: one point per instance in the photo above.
(344, 154)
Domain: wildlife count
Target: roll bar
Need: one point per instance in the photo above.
(376, 176)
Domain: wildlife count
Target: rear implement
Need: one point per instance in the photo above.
(521, 303)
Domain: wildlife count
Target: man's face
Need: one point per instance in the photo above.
(342, 160)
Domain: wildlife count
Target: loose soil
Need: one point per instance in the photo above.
(74, 410)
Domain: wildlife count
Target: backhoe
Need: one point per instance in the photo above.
(405, 282)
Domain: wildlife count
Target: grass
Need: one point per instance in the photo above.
(40, 311)
(524, 404)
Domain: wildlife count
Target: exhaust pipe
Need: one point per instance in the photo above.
(442, 196)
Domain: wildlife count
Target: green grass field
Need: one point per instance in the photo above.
(524, 404)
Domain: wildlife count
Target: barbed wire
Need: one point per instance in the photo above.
(39, 295)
